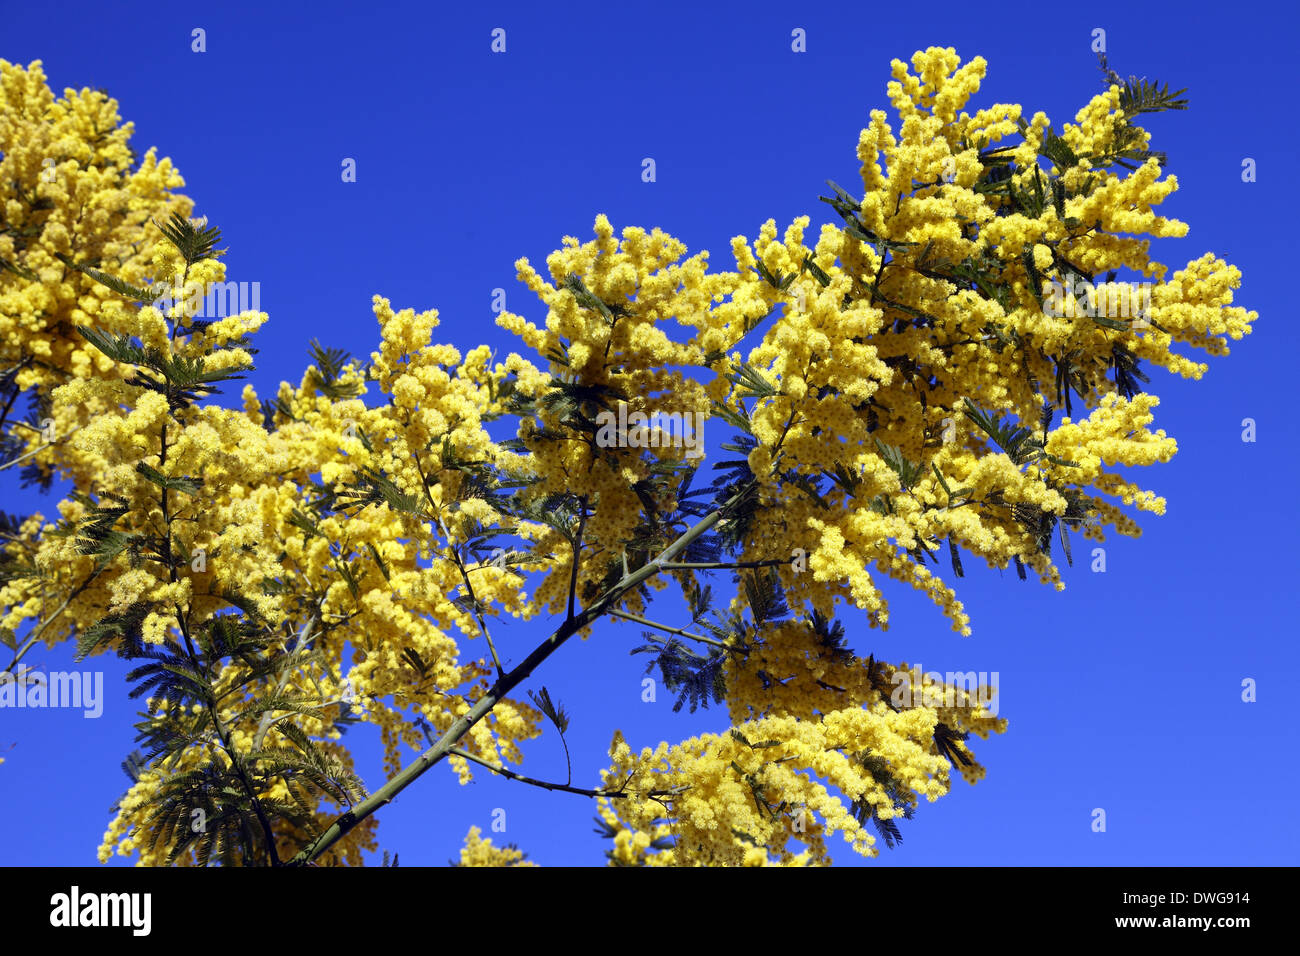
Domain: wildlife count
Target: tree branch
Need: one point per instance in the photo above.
(621, 793)
(504, 685)
(678, 631)
(37, 451)
(464, 575)
(36, 634)
(265, 723)
(223, 735)
(724, 565)
(577, 553)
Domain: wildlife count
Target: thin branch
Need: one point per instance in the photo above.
(464, 575)
(4, 414)
(724, 565)
(678, 631)
(568, 761)
(22, 458)
(265, 723)
(620, 793)
(577, 554)
(36, 634)
(223, 735)
(37, 451)
(435, 754)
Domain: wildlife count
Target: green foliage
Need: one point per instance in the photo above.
(576, 406)
(553, 711)
(187, 485)
(1137, 96)
(588, 300)
(607, 831)
(1017, 442)
(848, 208)
(750, 383)
(865, 812)
(124, 289)
(373, 487)
(696, 678)
(328, 365)
(908, 472)
(194, 242)
(183, 381)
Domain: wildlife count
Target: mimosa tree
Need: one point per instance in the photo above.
(951, 366)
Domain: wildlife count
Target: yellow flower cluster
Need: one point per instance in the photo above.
(480, 852)
(881, 349)
(773, 786)
(70, 192)
(369, 581)
(625, 353)
(813, 729)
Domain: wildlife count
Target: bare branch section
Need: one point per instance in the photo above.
(620, 793)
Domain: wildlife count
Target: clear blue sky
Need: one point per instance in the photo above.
(1123, 692)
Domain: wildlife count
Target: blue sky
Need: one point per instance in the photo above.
(1123, 692)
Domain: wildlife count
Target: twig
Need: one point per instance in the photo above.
(677, 630)
(464, 575)
(621, 793)
(723, 565)
(36, 634)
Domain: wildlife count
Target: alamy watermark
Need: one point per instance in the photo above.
(955, 689)
(78, 689)
(76, 909)
(1110, 300)
(221, 299)
(655, 430)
